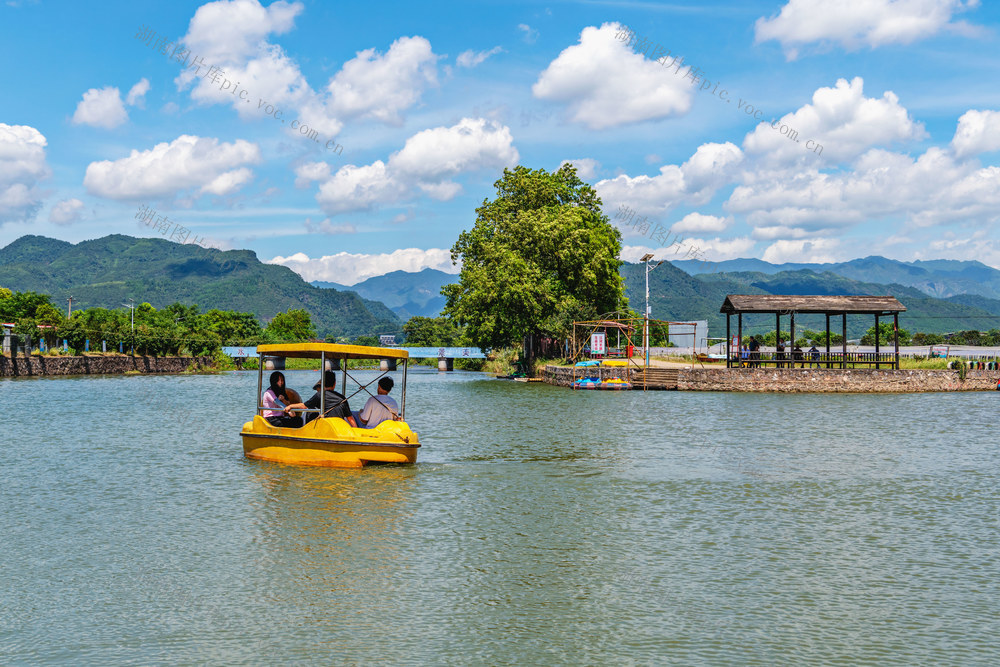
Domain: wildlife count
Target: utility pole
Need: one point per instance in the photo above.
(69, 309)
(645, 258)
(131, 306)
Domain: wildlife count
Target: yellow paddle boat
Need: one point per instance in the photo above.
(331, 441)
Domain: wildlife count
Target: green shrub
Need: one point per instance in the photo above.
(502, 361)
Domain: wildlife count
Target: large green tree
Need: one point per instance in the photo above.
(292, 326)
(431, 332)
(541, 254)
(232, 327)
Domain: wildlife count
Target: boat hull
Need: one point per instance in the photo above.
(615, 386)
(330, 442)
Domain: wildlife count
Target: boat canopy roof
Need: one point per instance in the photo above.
(332, 351)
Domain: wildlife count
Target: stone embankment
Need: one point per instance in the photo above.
(37, 365)
(802, 380)
(856, 380)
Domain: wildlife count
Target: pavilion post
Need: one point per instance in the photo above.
(876, 341)
(843, 363)
(828, 340)
(791, 343)
(729, 358)
(739, 336)
(895, 337)
(777, 337)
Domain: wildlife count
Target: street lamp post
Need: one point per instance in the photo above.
(131, 306)
(645, 259)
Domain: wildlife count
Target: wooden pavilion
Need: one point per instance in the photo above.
(829, 305)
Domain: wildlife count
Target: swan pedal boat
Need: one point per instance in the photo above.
(331, 441)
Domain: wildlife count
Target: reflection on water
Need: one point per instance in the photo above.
(540, 526)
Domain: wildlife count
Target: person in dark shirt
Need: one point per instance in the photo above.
(754, 352)
(336, 404)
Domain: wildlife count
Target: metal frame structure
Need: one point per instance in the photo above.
(627, 323)
(343, 353)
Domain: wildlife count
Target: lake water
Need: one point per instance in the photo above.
(540, 526)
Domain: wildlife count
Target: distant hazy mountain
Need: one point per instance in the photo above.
(939, 277)
(107, 271)
(407, 294)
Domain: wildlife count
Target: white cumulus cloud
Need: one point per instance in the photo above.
(22, 166)
(605, 84)
(426, 163)
(101, 108)
(169, 169)
(716, 249)
(349, 268)
(233, 30)
(786, 193)
(473, 143)
(930, 189)
(695, 181)
(842, 120)
(857, 23)
(228, 182)
(66, 212)
(978, 132)
(381, 86)
(696, 223)
(137, 93)
(233, 35)
(820, 251)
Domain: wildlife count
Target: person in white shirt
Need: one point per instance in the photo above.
(379, 408)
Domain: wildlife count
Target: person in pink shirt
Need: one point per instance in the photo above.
(274, 401)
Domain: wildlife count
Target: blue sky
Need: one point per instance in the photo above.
(423, 106)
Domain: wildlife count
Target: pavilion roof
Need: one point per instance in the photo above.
(821, 303)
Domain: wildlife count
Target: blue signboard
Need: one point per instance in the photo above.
(445, 352)
(240, 352)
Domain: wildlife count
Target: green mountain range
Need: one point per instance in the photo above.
(939, 277)
(106, 272)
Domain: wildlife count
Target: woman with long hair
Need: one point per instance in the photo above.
(274, 401)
